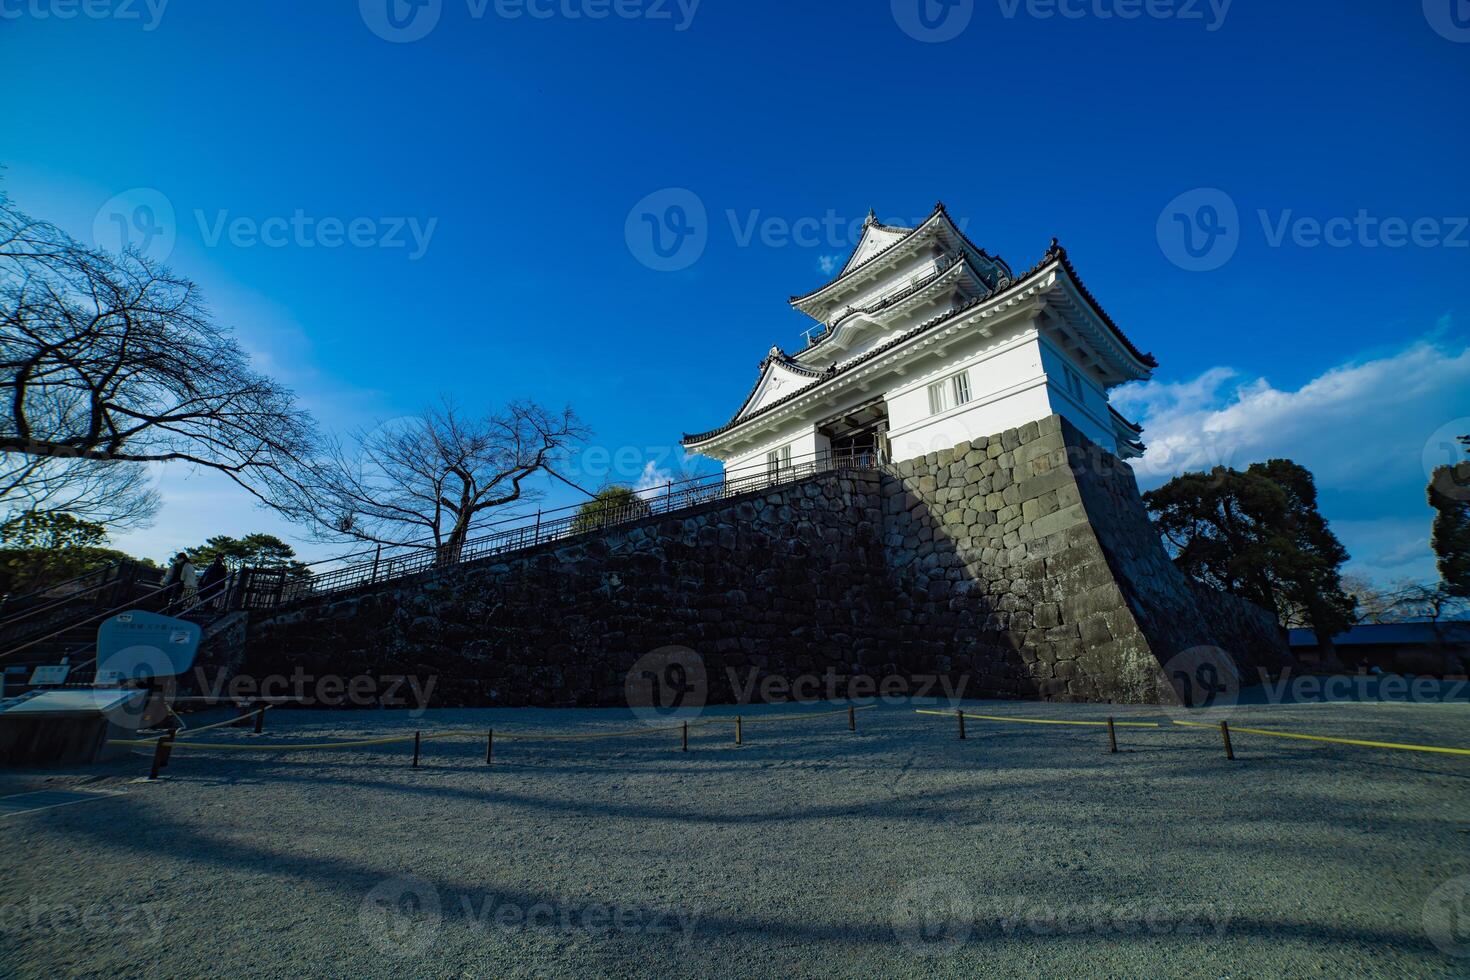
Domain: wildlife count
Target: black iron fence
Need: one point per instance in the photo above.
(270, 588)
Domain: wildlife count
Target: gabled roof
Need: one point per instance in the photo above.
(880, 240)
(766, 368)
(952, 268)
(1054, 255)
(875, 238)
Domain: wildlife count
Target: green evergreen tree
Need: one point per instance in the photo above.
(612, 505)
(1449, 495)
(1258, 534)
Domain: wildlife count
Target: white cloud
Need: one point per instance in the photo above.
(829, 263)
(1365, 421)
(652, 479)
(1369, 429)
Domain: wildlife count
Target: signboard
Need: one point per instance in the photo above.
(50, 676)
(141, 645)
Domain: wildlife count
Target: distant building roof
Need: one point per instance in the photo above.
(1391, 634)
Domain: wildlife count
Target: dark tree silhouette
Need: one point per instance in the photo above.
(108, 362)
(1258, 534)
(424, 481)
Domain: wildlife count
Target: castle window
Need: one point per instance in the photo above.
(938, 398)
(949, 393)
(961, 385)
(777, 460)
(1074, 384)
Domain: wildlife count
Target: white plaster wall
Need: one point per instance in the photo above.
(1090, 414)
(803, 438)
(1007, 389)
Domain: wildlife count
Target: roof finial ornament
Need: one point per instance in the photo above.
(871, 219)
(1055, 249)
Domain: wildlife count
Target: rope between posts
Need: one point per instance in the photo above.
(476, 735)
(760, 719)
(190, 732)
(1041, 721)
(257, 747)
(1338, 741)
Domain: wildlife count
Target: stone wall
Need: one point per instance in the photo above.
(1040, 536)
(784, 582)
(1020, 565)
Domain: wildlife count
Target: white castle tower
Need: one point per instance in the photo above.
(925, 341)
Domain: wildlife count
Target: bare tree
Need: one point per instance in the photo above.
(114, 360)
(423, 481)
(119, 495)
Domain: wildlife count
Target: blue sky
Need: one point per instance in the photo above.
(492, 166)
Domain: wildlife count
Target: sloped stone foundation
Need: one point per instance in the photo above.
(1022, 565)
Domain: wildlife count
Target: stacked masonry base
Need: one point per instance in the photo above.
(1022, 565)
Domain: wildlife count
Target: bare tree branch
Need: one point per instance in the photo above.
(423, 482)
(111, 362)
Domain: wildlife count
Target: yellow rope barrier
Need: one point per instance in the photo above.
(1042, 721)
(1337, 741)
(439, 736)
(190, 732)
(757, 719)
(257, 747)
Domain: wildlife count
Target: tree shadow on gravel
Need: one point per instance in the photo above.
(355, 882)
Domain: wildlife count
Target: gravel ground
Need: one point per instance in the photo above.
(808, 851)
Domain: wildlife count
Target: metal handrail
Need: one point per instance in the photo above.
(76, 578)
(132, 604)
(6, 624)
(545, 527)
